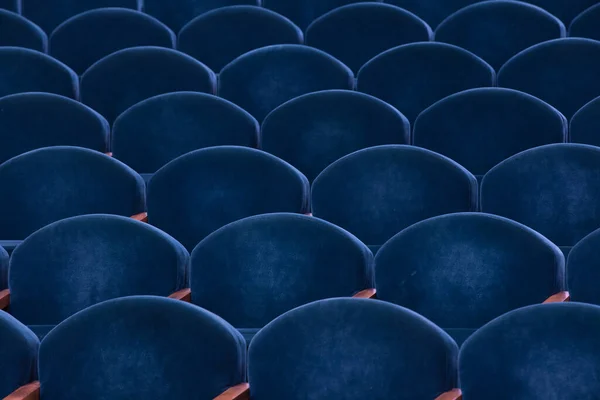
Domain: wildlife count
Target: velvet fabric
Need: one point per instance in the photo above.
(3, 268)
(376, 192)
(585, 124)
(583, 270)
(220, 36)
(302, 13)
(49, 184)
(160, 129)
(30, 121)
(562, 72)
(587, 24)
(129, 76)
(141, 347)
(552, 189)
(12, 5)
(85, 38)
(18, 354)
(541, 352)
(265, 78)
(497, 30)
(463, 270)
(19, 32)
(479, 128)
(414, 76)
(177, 13)
(351, 349)
(314, 130)
(199, 192)
(565, 10)
(26, 70)
(433, 11)
(253, 270)
(49, 14)
(358, 32)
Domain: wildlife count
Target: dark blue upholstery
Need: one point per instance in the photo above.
(49, 14)
(463, 270)
(497, 30)
(587, 24)
(160, 129)
(201, 191)
(253, 270)
(414, 76)
(177, 13)
(20, 32)
(358, 32)
(26, 70)
(86, 38)
(312, 131)
(478, 128)
(351, 349)
(376, 192)
(302, 13)
(432, 11)
(265, 78)
(585, 124)
(562, 72)
(12, 5)
(583, 270)
(141, 347)
(30, 121)
(49, 184)
(18, 354)
(129, 76)
(553, 189)
(74, 263)
(220, 36)
(541, 352)
(566, 10)
(3, 268)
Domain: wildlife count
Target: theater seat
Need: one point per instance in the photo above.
(351, 349)
(414, 76)
(583, 273)
(18, 31)
(355, 33)
(463, 270)
(199, 192)
(565, 10)
(85, 38)
(377, 192)
(587, 24)
(12, 5)
(18, 355)
(302, 13)
(218, 37)
(3, 268)
(30, 121)
(585, 124)
(265, 78)
(531, 354)
(129, 76)
(497, 30)
(432, 11)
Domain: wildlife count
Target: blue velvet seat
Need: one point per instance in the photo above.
(432, 11)
(49, 14)
(3, 268)
(351, 349)
(553, 189)
(26, 70)
(463, 270)
(562, 72)
(497, 30)
(355, 33)
(12, 5)
(565, 10)
(253, 270)
(312, 131)
(302, 13)
(585, 124)
(30, 121)
(177, 13)
(218, 37)
(17, 31)
(141, 347)
(85, 38)
(129, 76)
(199, 192)
(161, 128)
(587, 24)
(414, 76)
(540, 352)
(52, 183)
(77, 262)
(583, 272)
(265, 78)
(18, 354)
(479, 128)
(377, 192)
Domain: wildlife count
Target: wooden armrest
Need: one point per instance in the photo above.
(454, 394)
(28, 392)
(560, 297)
(366, 294)
(183, 295)
(238, 392)
(4, 299)
(141, 217)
